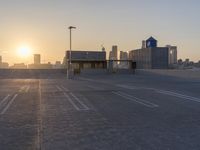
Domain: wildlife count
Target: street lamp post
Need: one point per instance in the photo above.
(70, 52)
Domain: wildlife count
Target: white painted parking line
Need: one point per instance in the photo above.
(83, 105)
(9, 104)
(59, 88)
(64, 88)
(27, 88)
(178, 95)
(76, 102)
(5, 98)
(171, 93)
(127, 86)
(24, 88)
(94, 87)
(135, 99)
(72, 102)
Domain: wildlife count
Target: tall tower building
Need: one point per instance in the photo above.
(123, 55)
(114, 52)
(110, 55)
(143, 44)
(172, 51)
(37, 59)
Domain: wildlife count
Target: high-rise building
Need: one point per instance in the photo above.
(37, 59)
(172, 50)
(123, 55)
(114, 52)
(123, 59)
(143, 44)
(110, 55)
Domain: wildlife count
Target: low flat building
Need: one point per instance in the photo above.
(86, 59)
(19, 66)
(4, 65)
(40, 66)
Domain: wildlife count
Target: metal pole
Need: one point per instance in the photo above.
(70, 51)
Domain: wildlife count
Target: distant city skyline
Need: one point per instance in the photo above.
(43, 26)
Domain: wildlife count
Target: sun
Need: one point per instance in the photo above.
(24, 51)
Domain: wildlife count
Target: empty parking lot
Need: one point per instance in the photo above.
(102, 112)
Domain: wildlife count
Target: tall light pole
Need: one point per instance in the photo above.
(70, 30)
(70, 52)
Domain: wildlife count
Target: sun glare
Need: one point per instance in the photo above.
(24, 51)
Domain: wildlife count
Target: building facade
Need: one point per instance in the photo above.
(151, 42)
(114, 52)
(123, 59)
(37, 59)
(86, 59)
(172, 54)
(150, 56)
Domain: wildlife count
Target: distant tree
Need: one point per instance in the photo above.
(180, 61)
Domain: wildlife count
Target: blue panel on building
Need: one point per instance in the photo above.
(151, 42)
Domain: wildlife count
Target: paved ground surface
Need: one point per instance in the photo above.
(105, 112)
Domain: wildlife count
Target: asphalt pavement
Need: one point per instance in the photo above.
(102, 112)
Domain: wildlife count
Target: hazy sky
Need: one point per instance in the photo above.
(42, 25)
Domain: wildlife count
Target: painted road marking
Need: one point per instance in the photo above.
(27, 88)
(178, 95)
(84, 106)
(127, 87)
(171, 93)
(94, 87)
(5, 98)
(62, 88)
(135, 99)
(76, 102)
(58, 88)
(72, 102)
(9, 104)
(24, 88)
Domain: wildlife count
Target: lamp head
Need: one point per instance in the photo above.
(71, 27)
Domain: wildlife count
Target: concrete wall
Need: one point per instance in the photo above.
(142, 58)
(150, 58)
(86, 55)
(32, 73)
(189, 74)
(159, 57)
